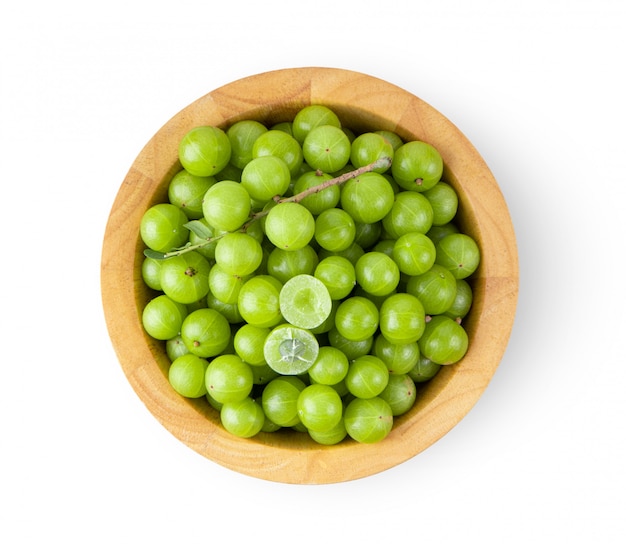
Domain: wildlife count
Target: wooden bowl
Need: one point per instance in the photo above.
(363, 103)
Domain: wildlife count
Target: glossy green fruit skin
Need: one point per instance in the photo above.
(424, 370)
(151, 273)
(334, 230)
(238, 253)
(326, 148)
(417, 166)
(399, 358)
(226, 205)
(228, 378)
(368, 420)
(204, 151)
(367, 198)
(229, 311)
(205, 332)
(224, 286)
(258, 301)
(352, 253)
(414, 253)
(279, 400)
(162, 317)
(411, 212)
(394, 140)
(277, 143)
(185, 278)
(459, 253)
(316, 203)
(243, 418)
(400, 393)
(435, 289)
(186, 191)
(367, 234)
(367, 377)
(319, 407)
(289, 226)
(162, 227)
(357, 319)
(284, 265)
(402, 319)
(330, 367)
(351, 348)
(186, 376)
(462, 303)
(437, 232)
(242, 136)
(338, 274)
(444, 202)
(248, 343)
(310, 117)
(263, 374)
(377, 273)
(444, 341)
(368, 148)
(332, 436)
(266, 177)
(175, 347)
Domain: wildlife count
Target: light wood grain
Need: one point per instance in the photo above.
(363, 103)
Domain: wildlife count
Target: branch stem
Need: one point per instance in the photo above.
(384, 162)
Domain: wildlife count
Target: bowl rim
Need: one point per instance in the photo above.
(362, 102)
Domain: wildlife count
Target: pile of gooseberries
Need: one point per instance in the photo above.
(306, 277)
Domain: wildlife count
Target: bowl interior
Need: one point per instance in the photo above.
(362, 103)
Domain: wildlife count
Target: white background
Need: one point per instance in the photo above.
(537, 86)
